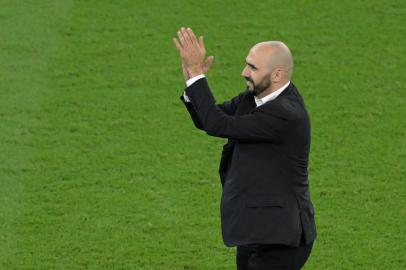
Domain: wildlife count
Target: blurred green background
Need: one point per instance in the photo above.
(102, 168)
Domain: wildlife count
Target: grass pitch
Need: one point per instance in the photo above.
(101, 167)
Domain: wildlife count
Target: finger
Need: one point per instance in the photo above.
(201, 43)
(208, 63)
(209, 60)
(186, 36)
(176, 42)
(181, 38)
(192, 36)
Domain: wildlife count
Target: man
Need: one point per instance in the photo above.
(266, 209)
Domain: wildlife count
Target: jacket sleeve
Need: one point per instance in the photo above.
(193, 114)
(261, 124)
(229, 107)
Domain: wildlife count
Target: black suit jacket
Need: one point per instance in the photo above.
(263, 168)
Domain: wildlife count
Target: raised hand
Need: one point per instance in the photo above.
(192, 53)
(205, 67)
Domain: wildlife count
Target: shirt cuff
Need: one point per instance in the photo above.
(192, 80)
(186, 97)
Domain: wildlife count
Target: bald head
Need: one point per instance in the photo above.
(269, 67)
(277, 55)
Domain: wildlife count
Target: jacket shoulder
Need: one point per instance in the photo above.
(289, 106)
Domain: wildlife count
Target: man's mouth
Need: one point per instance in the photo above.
(248, 79)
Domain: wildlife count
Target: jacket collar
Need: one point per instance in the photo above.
(289, 91)
(271, 96)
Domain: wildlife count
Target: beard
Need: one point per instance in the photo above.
(263, 85)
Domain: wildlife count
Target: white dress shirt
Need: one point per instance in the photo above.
(271, 96)
(258, 101)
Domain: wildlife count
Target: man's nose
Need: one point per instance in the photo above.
(245, 72)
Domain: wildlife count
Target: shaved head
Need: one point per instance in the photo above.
(277, 55)
(269, 66)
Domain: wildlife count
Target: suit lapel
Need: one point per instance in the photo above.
(247, 104)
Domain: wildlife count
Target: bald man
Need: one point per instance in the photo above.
(266, 211)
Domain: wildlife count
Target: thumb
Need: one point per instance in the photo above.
(209, 60)
(207, 64)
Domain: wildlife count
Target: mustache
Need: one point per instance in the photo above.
(249, 79)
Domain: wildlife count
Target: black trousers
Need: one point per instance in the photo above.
(272, 256)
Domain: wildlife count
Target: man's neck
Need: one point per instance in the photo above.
(273, 88)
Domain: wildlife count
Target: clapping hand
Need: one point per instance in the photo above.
(192, 53)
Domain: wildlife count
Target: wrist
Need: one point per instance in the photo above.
(194, 79)
(192, 72)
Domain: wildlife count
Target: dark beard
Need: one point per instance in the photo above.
(261, 87)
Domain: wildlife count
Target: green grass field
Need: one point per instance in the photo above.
(102, 168)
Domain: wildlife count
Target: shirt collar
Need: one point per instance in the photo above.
(271, 96)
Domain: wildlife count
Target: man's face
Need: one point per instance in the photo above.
(257, 73)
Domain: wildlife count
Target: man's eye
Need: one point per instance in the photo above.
(252, 67)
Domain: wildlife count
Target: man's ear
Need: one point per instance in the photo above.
(276, 75)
